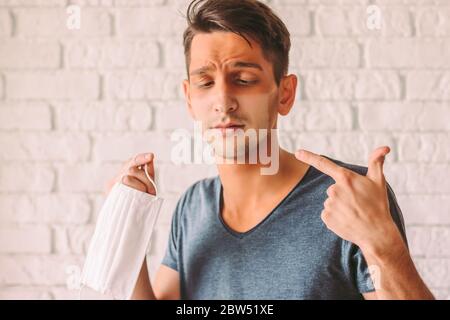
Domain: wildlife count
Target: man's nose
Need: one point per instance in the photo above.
(224, 101)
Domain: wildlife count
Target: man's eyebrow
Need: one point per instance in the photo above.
(238, 64)
(243, 64)
(201, 70)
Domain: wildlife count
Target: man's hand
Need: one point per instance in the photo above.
(357, 207)
(357, 210)
(132, 174)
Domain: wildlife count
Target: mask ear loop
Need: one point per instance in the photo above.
(151, 180)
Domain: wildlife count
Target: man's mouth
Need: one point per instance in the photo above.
(228, 128)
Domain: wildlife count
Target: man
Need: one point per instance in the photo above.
(318, 228)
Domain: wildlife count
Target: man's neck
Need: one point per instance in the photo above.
(244, 187)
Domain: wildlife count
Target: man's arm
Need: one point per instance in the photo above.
(166, 285)
(394, 274)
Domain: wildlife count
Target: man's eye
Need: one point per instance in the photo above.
(245, 82)
(206, 84)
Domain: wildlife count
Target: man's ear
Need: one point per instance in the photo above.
(187, 96)
(288, 88)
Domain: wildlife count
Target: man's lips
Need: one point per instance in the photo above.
(228, 128)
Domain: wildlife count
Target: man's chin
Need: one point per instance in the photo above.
(236, 152)
(235, 144)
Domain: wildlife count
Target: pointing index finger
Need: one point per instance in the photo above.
(321, 163)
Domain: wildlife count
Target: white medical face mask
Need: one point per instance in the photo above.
(119, 244)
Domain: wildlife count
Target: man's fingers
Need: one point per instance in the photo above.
(134, 183)
(320, 163)
(376, 161)
(142, 177)
(139, 160)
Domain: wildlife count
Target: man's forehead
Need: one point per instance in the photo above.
(224, 47)
(235, 64)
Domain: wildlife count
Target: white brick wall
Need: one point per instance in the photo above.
(74, 104)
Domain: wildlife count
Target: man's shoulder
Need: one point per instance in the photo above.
(205, 185)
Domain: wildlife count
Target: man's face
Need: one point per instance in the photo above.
(230, 82)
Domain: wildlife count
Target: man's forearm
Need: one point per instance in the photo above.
(394, 274)
(143, 289)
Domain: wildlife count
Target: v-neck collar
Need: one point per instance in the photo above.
(241, 235)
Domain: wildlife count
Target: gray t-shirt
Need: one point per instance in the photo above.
(289, 255)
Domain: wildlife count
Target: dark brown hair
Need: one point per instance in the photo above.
(247, 18)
